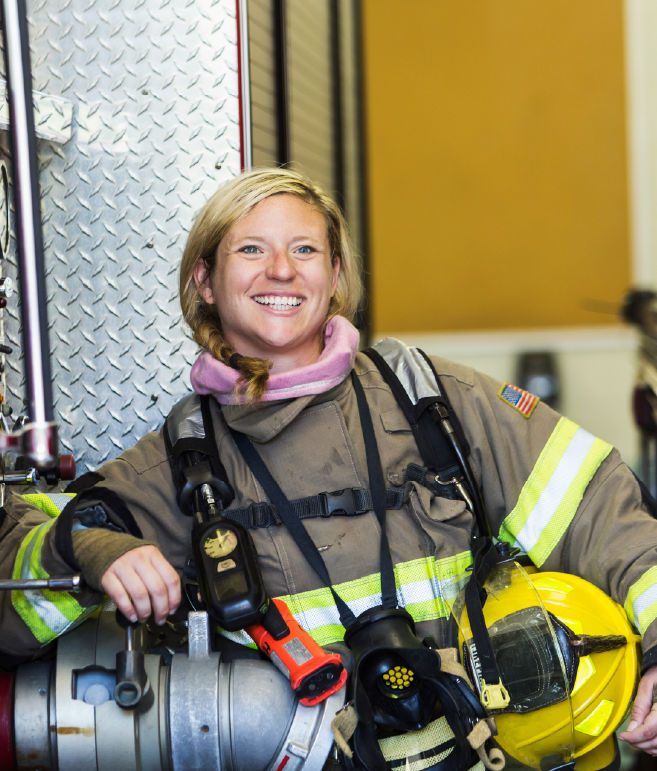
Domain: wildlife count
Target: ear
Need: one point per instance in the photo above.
(335, 267)
(202, 281)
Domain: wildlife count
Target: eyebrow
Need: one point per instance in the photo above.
(264, 238)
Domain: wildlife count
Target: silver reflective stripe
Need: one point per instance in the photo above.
(185, 420)
(555, 490)
(644, 601)
(410, 367)
(641, 600)
(60, 499)
(46, 610)
(419, 591)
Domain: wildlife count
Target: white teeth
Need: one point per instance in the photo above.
(278, 302)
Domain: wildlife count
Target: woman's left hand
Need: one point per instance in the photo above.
(641, 733)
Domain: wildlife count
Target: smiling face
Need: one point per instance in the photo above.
(272, 282)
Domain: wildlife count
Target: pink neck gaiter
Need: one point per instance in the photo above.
(341, 338)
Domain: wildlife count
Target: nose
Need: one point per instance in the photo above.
(280, 266)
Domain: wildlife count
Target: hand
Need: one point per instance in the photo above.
(142, 582)
(642, 730)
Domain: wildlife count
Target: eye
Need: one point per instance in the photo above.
(305, 249)
(249, 249)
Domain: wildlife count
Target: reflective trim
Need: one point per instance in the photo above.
(596, 722)
(641, 602)
(417, 750)
(424, 749)
(47, 614)
(410, 368)
(553, 491)
(51, 503)
(426, 587)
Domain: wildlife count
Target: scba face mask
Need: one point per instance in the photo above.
(412, 712)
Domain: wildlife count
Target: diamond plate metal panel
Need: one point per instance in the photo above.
(154, 132)
(52, 116)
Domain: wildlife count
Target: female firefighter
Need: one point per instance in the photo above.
(269, 285)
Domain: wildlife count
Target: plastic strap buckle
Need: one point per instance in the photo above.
(494, 696)
(338, 502)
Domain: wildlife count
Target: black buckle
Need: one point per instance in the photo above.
(338, 502)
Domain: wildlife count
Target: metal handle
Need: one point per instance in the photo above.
(42, 451)
(64, 584)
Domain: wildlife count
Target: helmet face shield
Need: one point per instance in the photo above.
(567, 656)
(535, 672)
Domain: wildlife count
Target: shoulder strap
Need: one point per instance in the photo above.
(192, 448)
(416, 386)
(438, 433)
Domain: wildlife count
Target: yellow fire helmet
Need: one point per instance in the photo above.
(568, 659)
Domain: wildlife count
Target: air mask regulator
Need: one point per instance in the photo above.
(232, 589)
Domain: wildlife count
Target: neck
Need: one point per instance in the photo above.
(291, 379)
(287, 362)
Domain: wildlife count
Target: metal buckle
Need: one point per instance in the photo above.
(338, 502)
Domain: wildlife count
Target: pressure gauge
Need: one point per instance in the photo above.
(221, 543)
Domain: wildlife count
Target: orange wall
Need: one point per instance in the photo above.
(497, 162)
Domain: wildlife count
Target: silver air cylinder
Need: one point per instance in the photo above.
(196, 713)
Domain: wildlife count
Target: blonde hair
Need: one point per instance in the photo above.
(226, 207)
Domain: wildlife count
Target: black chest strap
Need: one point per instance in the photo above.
(350, 502)
(413, 380)
(293, 524)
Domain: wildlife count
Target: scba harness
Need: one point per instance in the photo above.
(410, 705)
(399, 684)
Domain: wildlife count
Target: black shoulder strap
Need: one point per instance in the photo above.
(189, 436)
(437, 453)
(440, 439)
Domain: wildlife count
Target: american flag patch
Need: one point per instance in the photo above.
(520, 400)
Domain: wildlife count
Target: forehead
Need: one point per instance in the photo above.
(282, 212)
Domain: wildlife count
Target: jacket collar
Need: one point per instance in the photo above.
(341, 338)
(262, 421)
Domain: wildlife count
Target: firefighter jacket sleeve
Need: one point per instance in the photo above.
(30, 620)
(95, 549)
(132, 496)
(43, 536)
(560, 494)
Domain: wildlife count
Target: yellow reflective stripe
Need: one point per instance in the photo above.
(325, 635)
(538, 479)
(426, 587)
(596, 721)
(553, 491)
(641, 601)
(50, 503)
(47, 614)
